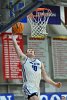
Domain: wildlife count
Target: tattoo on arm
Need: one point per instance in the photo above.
(22, 58)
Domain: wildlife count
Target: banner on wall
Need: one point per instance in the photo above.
(12, 68)
(55, 16)
(59, 57)
(65, 13)
(54, 96)
(6, 97)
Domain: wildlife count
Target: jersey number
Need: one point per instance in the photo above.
(34, 67)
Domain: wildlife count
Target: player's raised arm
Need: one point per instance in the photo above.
(20, 54)
(48, 79)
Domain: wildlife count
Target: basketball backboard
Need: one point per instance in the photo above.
(12, 11)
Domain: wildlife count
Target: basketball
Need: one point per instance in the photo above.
(18, 28)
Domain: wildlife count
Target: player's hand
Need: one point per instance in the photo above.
(58, 84)
(13, 31)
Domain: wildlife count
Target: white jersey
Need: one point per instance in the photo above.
(32, 72)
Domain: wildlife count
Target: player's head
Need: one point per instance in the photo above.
(63, 98)
(30, 53)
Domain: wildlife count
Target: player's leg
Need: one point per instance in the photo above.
(33, 97)
(31, 92)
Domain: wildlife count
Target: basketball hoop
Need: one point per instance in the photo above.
(38, 21)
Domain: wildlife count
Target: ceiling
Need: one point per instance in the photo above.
(62, 2)
(56, 2)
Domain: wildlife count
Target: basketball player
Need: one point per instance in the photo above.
(32, 71)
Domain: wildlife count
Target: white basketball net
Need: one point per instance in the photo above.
(38, 23)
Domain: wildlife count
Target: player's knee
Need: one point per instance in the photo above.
(34, 98)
